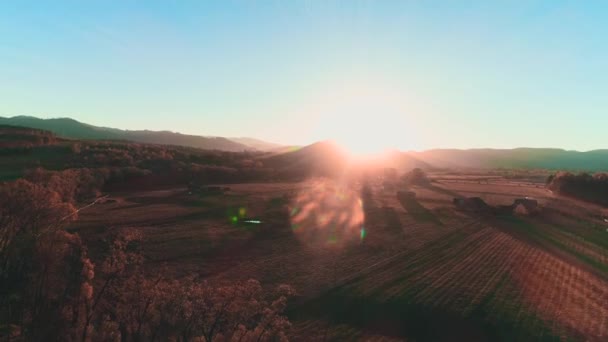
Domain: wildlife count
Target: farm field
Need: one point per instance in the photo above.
(265, 171)
(407, 270)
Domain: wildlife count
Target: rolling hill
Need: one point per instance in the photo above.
(70, 128)
(327, 158)
(518, 158)
(323, 158)
(257, 144)
(326, 155)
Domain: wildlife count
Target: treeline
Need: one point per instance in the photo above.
(584, 186)
(20, 138)
(163, 165)
(51, 290)
(174, 165)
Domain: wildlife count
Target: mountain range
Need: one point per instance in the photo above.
(72, 129)
(517, 158)
(328, 155)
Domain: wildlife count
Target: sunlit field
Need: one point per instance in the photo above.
(113, 238)
(413, 270)
(274, 171)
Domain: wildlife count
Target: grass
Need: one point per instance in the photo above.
(405, 318)
(531, 231)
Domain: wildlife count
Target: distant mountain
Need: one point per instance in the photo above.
(323, 158)
(65, 127)
(257, 144)
(403, 161)
(524, 158)
(70, 128)
(327, 158)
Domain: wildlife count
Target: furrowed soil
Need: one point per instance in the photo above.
(417, 270)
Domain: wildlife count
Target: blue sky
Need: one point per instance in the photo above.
(405, 74)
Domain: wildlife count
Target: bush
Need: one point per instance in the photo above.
(415, 177)
(591, 188)
(73, 185)
(50, 288)
(39, 263)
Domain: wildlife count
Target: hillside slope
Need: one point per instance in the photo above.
(70, 128)
(323, 158)
(524, 158)
(257, 144)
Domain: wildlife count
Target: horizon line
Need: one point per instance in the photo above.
(309, 143)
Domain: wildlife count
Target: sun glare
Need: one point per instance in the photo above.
(328, 213)
(365, 121)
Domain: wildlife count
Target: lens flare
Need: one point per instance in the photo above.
(328, 214)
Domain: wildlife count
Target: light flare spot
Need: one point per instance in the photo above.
(327, 213)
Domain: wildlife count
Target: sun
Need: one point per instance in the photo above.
(365, 121)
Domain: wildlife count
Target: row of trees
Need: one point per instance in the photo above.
(587, 187)
(103, 154)
(166, 165)
(78, 185)
(14, 139)
(162, 164)
(50, 289)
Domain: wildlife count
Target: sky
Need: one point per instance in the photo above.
(372, 74)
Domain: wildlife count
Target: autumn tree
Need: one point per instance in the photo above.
(37, 258)
(50, 289)
(592, 188)
(141, 307)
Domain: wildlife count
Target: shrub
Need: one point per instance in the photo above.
(592, 188)
(415, 177)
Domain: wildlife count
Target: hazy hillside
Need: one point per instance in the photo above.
(321, 158)
(328, 154)
(327, 158)
(65, 127)
(404, 161)
(537, 158)
(257, 144)
(70, 128)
